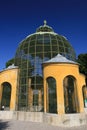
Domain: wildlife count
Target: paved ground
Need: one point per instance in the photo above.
(21, 125)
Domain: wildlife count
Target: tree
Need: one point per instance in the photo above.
(82, 60)
(10, 62)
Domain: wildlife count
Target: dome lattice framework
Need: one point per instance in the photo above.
(31, 53)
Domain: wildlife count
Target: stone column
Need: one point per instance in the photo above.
(30, 94)
(39, 97)
(60, 96)
(13, 97)
(45, 96)
(80, 106)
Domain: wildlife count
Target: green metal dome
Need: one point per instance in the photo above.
(36, 48)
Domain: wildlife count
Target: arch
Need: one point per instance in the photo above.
(51, 95)
(70, 94)
(6, 95)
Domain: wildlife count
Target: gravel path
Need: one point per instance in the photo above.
(22, 125)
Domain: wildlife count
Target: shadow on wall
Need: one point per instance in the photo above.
(3, 125)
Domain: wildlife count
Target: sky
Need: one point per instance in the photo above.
(20, 18)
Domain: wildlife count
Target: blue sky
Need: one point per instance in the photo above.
(19, 18)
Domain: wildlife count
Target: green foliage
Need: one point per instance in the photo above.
(10, 62)
(82, 60)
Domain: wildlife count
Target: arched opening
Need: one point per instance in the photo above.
(84, 92)
(70, 94)
(6, 95)
(51, 95)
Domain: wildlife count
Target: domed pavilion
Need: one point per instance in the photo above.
(44, 78)
(36, 48)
